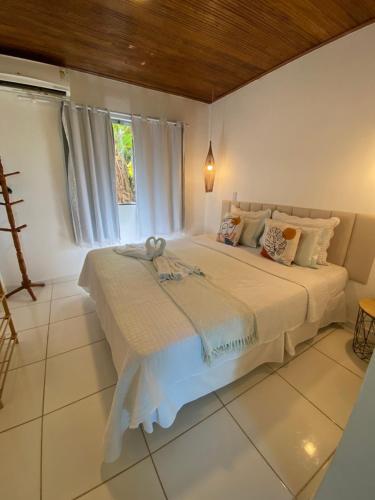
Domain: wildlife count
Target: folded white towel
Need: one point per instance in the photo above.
(153, 247)
(172, 268)
(135, 251)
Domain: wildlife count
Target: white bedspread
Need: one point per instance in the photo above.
(154, 346)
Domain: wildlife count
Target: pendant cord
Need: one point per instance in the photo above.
(210, 115)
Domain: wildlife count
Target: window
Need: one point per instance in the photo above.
(125, 176)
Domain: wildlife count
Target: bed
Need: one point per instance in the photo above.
(156, 350)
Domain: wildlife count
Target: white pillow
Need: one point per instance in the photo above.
(308, 249)
(326, 226)
(253, 224)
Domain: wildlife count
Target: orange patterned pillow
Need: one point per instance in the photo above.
(230, 230)
(280, 241)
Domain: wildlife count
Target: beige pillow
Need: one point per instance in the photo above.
(230, 230)
(253, 225)
(326, 226)
(280, 241)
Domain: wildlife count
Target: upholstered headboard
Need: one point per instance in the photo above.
(353, 244)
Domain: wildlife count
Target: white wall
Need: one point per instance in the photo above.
(30, 141)
(303, 135)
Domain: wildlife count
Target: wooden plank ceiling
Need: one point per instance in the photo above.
(193, 48)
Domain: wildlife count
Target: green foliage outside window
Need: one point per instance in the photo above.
(125, 178)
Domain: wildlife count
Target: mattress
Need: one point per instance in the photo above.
(155, 349)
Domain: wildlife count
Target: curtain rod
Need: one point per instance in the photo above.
(127, 116)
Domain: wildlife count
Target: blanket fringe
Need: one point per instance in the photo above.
(210, 354)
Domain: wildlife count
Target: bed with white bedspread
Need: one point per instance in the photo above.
(155, 348)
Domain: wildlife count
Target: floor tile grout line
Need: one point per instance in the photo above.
(304, 350)
(338, 362)
(58, 354)
(245, 390)
(72, 317)
(54, 411)
(43, 403)
(110, 478)
(317, 471)
(28, 304)
(78, 400)
(20, 424)
(103, 339)
(44, 301)
(272, 372)
(311, 402)
(187, 430)
(260, 453)
(153, 463)
(26, 365)
(54, 322)
(150, 453)
(31, 303)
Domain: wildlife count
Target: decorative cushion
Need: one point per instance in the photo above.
(326, 225)
(230, 230)
(253, 225)
(308, 249)
(280, 241)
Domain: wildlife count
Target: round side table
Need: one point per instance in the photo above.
(364, 333)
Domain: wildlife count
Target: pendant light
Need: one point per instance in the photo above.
(209, 166)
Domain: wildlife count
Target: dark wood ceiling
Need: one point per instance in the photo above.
(193, 48)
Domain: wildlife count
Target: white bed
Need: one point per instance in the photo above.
(155, 349)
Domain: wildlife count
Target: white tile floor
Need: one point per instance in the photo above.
(270, 435)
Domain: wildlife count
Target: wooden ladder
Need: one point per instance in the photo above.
(26, 283)
(8, 338)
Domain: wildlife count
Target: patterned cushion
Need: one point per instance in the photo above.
(230, 230)
(280, 242)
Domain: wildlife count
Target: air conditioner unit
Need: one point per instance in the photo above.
(28, 85)
(33, 79)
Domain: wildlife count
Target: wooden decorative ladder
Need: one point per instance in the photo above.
(8, 338)
(26, 283)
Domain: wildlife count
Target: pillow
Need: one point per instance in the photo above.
(308, 249)
(280, 241)
(230, 230)
(253, 225)
(327, 227)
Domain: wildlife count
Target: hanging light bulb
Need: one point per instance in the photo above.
(209, 171)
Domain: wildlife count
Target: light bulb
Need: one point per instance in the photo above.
(210, 167)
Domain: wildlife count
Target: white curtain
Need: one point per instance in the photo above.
(158, 163)
(90, 163)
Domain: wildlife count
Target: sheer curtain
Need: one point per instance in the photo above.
(90, 163)
(158, 163)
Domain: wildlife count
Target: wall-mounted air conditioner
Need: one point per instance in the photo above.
(33, 79)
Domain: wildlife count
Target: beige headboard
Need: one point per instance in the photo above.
(353, 245)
